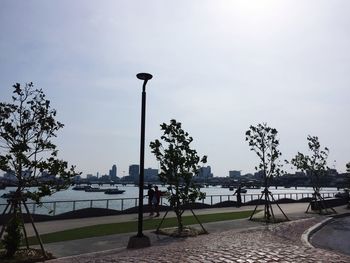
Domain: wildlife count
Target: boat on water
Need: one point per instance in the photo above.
(114, 191)
(95, 189)
(81, 187)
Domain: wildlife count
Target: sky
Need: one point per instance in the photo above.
(218, 67)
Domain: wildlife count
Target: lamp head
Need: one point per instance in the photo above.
(144, 76)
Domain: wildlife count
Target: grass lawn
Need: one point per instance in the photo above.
(126, 227)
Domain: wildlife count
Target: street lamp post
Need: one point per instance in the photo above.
(140, 240)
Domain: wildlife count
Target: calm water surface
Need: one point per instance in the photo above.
(128, 198)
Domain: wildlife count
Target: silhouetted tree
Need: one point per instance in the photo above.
(178, 165)
(263, 141)
(348, 167)
(27, 126)
(314, 165)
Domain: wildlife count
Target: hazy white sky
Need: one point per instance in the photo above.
(218, 66)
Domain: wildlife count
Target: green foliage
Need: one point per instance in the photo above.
(13, 236)
(348, 176)
(27, 126)
(263, 141)
(178, 164)
(315, 164)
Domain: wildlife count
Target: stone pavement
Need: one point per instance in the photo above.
(274, 243)
(262, 243)
(119, 241)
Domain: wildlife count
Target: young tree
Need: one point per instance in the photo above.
(27, 126)
(263, 141)
(315, 165)
(178, 164)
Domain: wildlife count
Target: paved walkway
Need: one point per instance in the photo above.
(228, 241)
(60, 225)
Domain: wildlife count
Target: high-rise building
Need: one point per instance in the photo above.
(113, 172)
(89, 176)
(134, 171)
(151, 174)
(259, 175)
(205, 172)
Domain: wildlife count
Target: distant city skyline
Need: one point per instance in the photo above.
(218, 67)
(151, 174)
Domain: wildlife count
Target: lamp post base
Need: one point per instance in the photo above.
(139, 242)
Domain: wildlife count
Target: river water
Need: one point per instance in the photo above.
(69, 199)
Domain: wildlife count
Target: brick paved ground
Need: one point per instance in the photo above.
(275, 243)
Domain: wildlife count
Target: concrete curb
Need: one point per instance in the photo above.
(305, 237)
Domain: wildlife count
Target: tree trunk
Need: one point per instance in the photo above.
(13, 236)
(179, 219)
(267, 214)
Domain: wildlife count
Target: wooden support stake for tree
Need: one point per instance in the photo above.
(279, 207)
(308, 207)
(8, 204)
(320, 204)
(161, 222)
(6, 221)
(270, 206)
(35, 230)
(205, 231)
(251, 216)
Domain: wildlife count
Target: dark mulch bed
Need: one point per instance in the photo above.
(30, 255)
(187, 231)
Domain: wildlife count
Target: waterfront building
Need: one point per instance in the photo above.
(134, 171)
(113, 173)
(235, 174)
(249, 176)
(205, 172)
(104, 178)
(47, 177)
(77, 178)
(91, 177)
(151, 174)
(259, 175)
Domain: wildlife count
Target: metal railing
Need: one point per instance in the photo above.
(121, 204)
